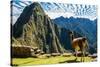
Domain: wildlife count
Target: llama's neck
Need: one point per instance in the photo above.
(72, 38)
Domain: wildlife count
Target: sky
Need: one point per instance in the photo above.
(54, 10)
(67, 10)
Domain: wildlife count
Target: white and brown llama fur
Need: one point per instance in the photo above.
(79, 44)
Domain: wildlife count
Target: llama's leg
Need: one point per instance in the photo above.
(82, 56)
(84, 52)
(76, 54)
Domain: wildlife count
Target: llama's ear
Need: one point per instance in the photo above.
(70, 32)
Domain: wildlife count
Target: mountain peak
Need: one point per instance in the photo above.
(34, 28)
(32, 10)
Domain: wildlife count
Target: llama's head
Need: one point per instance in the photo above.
(71, 33)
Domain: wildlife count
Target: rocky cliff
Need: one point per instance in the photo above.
(34, 28)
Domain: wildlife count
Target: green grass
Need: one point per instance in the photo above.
(51, 60)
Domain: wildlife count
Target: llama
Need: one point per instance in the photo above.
(79, 44)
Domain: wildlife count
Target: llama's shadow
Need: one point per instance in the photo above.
(71, 61)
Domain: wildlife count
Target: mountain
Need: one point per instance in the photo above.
(17, 8)
(83, 26)
(34, 28)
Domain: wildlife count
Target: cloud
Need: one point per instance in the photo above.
(67, 10)
(54, 10)
(53, 15)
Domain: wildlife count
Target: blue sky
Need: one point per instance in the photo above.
(67, 10)
(54, 10)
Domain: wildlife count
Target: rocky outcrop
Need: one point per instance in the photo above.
(34, 28)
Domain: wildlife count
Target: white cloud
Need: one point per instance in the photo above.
(68, 15)
(57, 12)
(53, 15)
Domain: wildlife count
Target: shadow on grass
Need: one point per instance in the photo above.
(70, 61)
